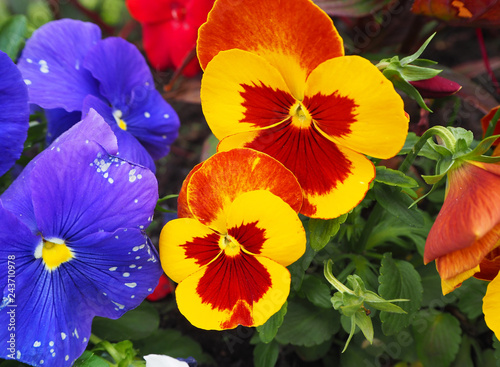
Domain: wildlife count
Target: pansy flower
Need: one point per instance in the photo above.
(14, 113)
(169, 30)
(68, 67)
(72, 233)
(229, 255)
(467, 228)
(276, 80)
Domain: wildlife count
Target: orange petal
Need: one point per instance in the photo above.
(334, 179)
(485, 121)
(183, 210)
(490, 265)
(265, 225)
(490, 306)
(225, 176)
(233, 290)
(471, 209)
(355, 106)
(295, 36)
(186, 245)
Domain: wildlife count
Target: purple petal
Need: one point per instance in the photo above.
(124, 76)
(78, 189)
(51, 64)
(14, 113)
(59, 120)
(155, 124)
(129, 147)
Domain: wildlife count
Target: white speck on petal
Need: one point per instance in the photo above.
(131, 285)
(166, 116)
(126, 275)
(63, 336)
(110, 180)
(18, 354)
(29, 61)
(112, 269)
(37, 344)
(27, 81)
(147, 115)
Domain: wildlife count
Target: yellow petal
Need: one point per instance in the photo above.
(355, 106)
(490, 306)
(231, 291)
(186, 245)
(266, 226)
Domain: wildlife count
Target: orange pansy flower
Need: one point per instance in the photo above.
(276, 80)
(467, 229)
(238, 233)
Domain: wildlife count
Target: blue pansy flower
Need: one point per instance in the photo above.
(68, 67)
(14, 113)
(73, 245)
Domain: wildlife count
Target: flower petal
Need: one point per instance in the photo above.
(149, 10)
(52, 64)
(490, 306)
(91, 190)
(231, 291)
(295, 36)
(265, 225)
(14, 113)
(357, 107)
(183, 210)
(109, 61)
(225, 176)
(333, 179)
(59, 120)
(490, 265)
(186, 245)
(471, 209)
(241, 92)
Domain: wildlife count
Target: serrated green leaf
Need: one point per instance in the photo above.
(394, 178)
(89, 359)
(266, 355)
(398, 204)
(437, 337)
(399, 280)
(135, 324)
(12, 35)
(316, 291)
(464, 356)
(306, 324)
(268, 331)
(322, 230)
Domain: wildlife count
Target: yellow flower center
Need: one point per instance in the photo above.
(117, 114)
(300, 116)
(54, 254)
(230, 245)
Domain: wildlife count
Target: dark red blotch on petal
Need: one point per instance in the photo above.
(333, 114)
(316, 161)
(250, 236)
(231, 279)
(203, 249)
(265, 106)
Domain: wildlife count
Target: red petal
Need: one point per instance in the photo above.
(436, 87)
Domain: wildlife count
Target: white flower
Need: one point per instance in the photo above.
(157, 360)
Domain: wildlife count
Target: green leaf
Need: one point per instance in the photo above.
(464, 356)
(399, 280)
(322, 230)
(316, 291)
(12, 35)
(398, 204)
(314, 353)
(481, 148)
(416, 55)
(135, 324)
(268, 331)
(306, 324)
(394, 178)
(411, 140)
(299, 267)
(364, 322)
(461, 133)
(266, 355)
(413, 73)
(437, 337)
(172, 343)
(89, 359)
(397, 79)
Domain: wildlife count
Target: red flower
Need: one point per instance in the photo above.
(163, 289)
(169, 30)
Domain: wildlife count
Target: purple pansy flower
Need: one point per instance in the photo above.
(72, 233)
(65, 62)
(14, 113)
